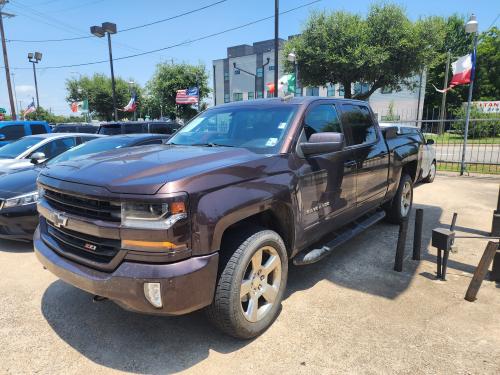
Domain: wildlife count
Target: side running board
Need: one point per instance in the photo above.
(314, 255)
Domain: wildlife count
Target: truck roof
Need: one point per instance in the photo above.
(292, 100)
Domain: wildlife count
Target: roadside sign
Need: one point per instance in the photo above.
(2, 110)
(1, 116)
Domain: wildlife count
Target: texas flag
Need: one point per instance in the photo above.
(132, 105)
(463, 71)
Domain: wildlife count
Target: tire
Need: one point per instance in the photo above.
(246, 315)
(395, 212)
(432, 173)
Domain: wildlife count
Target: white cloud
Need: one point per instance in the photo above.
(25, 90)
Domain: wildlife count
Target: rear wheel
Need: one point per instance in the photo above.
(432, 173)
(251, 284)
(400, 207)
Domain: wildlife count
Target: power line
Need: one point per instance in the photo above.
(123, 30)
(181, 43)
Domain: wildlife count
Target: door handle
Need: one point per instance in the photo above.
(350, 163)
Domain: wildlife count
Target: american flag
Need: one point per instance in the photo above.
(188, 96)
(31, 108)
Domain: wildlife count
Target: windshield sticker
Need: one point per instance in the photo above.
(271, 142)
(282, 125)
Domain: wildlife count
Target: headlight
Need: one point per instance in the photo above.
(154, 215)
(21, 200)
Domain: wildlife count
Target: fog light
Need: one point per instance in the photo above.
(152, 292)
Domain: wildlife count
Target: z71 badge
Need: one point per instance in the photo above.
(317, 208)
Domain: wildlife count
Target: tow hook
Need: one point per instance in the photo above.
(98, 299)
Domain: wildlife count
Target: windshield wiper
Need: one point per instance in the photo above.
(211, 144)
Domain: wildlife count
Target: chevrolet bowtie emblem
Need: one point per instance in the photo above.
(60, 220)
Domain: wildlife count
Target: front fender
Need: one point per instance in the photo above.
(215, 211)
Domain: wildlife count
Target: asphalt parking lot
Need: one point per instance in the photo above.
(348, 314)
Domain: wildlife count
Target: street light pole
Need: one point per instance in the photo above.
(276, 45)
(443, 99)
(99, 31)
(34, 59)
(133, 92)
(471, 28)
(6, 59)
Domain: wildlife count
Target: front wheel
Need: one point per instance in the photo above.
(251, 284)
(400, 207)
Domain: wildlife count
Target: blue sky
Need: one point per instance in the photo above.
(55, 19)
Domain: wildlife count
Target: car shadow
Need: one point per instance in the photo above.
(126, 341)
(9, 246)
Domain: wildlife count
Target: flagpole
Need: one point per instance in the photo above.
(443, 100)
(473, 24)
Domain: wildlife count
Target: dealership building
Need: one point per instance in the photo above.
(245, 71)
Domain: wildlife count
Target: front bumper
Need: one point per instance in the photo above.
(186, 285)
(18, 223)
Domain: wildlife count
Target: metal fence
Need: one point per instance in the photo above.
(483, 143)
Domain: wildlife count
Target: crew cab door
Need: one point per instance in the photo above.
(327, 182)
(370, 152)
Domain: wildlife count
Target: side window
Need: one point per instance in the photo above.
(12, 132)
(151, 142)
(161, 128)
(56, 147)
(358, 118)
(38, 129)
(86, 139)
(322, 118)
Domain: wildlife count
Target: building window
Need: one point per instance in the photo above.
(298, 91)
(360, 88)
(251, 95)
(226, 98)
(237, 96)
(226, 76)
(330, 91)
(260, 94)
(386, 90)
(312, 91)
(271, 67)
(236, 71)
(260, 72)
(341, 90)
(269, 94)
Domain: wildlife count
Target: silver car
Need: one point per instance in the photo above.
(34, 149)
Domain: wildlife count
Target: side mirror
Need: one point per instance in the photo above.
(2, 137)
(37, 158)
(322, 143)
(390, 132)
(430, 141)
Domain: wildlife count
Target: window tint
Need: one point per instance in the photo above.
(163, 128)
(38, 129)
(12, 132)
(358, 118)
(322, 118)
(56, 147)
(151, 142)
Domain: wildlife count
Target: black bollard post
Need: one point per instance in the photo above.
(453, 221)
(400, 248)
(417, 235)
(439, 256)
(445, 264)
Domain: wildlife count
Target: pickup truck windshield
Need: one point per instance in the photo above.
(258, 128)
(13, 150)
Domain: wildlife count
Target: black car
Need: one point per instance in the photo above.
(132, 127)
(18, 192)
(77, 127)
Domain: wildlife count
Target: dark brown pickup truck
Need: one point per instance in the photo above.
(212, 219)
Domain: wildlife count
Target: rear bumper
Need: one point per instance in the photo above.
(18, 223)
(186, 285)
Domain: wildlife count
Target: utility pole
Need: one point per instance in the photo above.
(443, 100)
(6, 59)
(276, 45)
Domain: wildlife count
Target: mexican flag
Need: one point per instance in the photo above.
(82, 106)
(286, 83)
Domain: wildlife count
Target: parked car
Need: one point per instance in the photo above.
(18, 192)
(428, 168)
(212, 219)
(37, 148)
(11, 131)
(129, 127)
(76, 127)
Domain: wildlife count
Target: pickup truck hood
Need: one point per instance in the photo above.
(144, 170)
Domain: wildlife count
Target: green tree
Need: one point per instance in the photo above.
(99, 93)
(459, 43)
(383, 49)
(162, 89)
(42, 114)
(487, 83)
